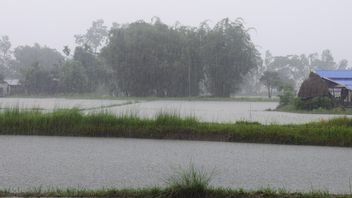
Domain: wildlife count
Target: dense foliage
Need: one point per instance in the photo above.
(156, 59)
(314, 103)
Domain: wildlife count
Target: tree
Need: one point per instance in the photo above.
(66, 50)
(5, 46)
(268, 58)
(327, 60)
(39, 80)
(39, 68)
(155, 59)
(228, 55)
(73, 77)
(95, 70)
(271, 80)
(47, 58)
(94, 37)
(343, 64)
(5, 57)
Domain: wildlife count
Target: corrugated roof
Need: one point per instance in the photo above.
(12, 82)
(342, 77)
(334, 73)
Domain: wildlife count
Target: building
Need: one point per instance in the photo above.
(4, 88)
(14, 86)
(330, 83)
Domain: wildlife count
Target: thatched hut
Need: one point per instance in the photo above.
(314, 86)
(336, 84)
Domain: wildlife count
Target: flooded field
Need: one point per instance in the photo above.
(28, 162)
(56, 103)
(207, 111)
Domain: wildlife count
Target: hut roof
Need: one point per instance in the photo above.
(314, 86)
(341, 77)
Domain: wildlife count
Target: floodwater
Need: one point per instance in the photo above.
(57, 103)
(31, 161)
(206, 111)
(220, 111)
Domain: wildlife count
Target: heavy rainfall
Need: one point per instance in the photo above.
(175, 98)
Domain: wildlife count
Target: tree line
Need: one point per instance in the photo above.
(141, 59)
(156, 59)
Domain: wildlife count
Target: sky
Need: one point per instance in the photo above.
(282, 26)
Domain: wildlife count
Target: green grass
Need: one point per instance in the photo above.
(335, 111)
(72, 122)
(187, 183)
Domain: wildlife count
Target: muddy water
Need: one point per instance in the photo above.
(27, 162)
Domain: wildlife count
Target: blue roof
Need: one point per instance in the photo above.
(342, 77)
(334, 73)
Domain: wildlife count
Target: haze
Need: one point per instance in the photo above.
(283, 27)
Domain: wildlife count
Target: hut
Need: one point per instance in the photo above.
(332, 83)
(15, 86)
(314, 86)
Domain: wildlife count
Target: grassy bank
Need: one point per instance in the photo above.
(187, 183)
(338, 110)
(72, 122)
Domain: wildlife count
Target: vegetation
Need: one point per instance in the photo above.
(153, 59)
(139, 59)
(72, 122)
(189, 183)
(314, 103)
(167, 193)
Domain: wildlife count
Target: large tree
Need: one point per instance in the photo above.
(156, 59)
(39, 68)
(95, 36)
(229, 55)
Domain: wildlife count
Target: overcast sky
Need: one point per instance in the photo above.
(282, 26)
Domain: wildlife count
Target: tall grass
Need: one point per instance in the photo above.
(188, 182)
(72, 122)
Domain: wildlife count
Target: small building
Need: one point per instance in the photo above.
(4, 88)
(15, 86)
(331, 83)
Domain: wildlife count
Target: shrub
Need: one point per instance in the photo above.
(314, 103)
(287, 96)
(189, 182)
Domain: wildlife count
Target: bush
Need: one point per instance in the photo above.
(314, 103)
(287, 96)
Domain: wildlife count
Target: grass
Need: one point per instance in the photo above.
(72, 122)
(187, 183)
(335, 111)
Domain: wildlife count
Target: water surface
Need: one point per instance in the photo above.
(32, 161)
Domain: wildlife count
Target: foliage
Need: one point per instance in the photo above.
(287, 96)
(94, 69)
(5, 57)
(39, 79)
(94, 37)
(271, 80)
(73, 77)
(153, 59)
(314, 103)
(26, 56)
